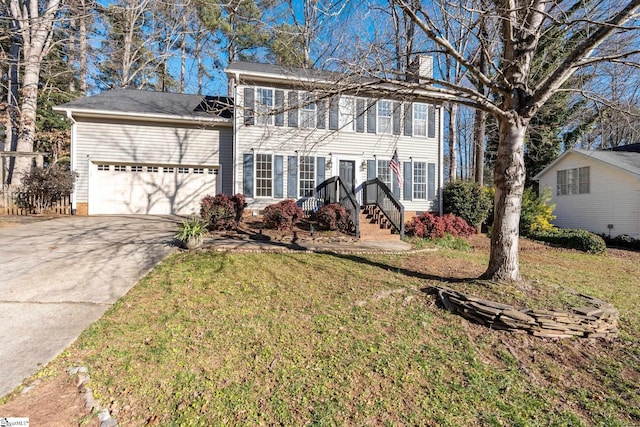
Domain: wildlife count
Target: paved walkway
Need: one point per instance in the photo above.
(57, 276)
(60, 275)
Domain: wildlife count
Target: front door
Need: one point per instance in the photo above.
(348, 174)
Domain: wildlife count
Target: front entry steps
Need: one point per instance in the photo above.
(374, 226)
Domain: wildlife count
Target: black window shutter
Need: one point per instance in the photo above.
(321, 106)
(278, 176)
(432, 121)
(408, 181)
(293, 109)
(320, 171)
(395, 185)
(249, 106)
(431, 181)
(247, 175)
(371, 169)
(279, 101)
(292, 177)
(359, 115)
(371, 116)
(396, 118)
(333, 114)
(408, 119)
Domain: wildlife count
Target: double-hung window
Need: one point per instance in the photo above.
(419, 180)
(308, 111)
(307, 176)
(573, 181)
(384, 172)
(385, 113)
(347, 113)
(419, 119)
(264, 106)
(264, 175)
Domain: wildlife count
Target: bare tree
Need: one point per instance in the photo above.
(512, 97)
(33, 23)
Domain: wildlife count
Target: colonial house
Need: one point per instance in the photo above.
(314, 136)
(598, 191)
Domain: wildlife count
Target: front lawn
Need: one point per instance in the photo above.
(320, 339)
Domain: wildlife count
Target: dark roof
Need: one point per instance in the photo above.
(634, 148)
(153, 103)
(280, 70)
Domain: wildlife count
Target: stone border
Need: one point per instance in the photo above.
(105, 418)
(598, 320)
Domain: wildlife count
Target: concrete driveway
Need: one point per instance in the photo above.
(59, 276)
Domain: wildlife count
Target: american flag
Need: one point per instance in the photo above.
(394, 165)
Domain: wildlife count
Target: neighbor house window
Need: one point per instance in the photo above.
(384, 172)
(264, 106)
(308, 111)
(183, 170)
(307, 175)
(168, 170)
(385, 111)
(120, 168)
(573, 181)
(136, 168)
(264, 175)
(420, 180)
(152, 169)
(103, 167)
(420, 119)
(347, 112)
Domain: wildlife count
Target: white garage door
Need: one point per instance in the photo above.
(147, 189)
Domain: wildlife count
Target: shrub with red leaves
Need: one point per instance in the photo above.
(434, 227)
(222, 212)
(334, 217)
(282, 215)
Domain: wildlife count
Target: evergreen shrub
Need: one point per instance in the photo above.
(570, 238)
(222, 212)
(282, 215)
(467, 200)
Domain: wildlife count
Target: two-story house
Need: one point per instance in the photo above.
(281, 133)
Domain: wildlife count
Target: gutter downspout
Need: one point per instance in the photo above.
(73, 157)
(440, 159)
(234, 143)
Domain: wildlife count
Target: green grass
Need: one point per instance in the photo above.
(320, 339)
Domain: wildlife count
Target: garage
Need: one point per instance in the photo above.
(151, 189)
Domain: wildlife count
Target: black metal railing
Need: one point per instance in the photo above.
(376, 192)
(333, 190)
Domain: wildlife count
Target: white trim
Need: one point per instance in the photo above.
(164, 118)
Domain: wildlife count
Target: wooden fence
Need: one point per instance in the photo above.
(8, 205)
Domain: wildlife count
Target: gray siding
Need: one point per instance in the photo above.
(150, 143)
(333, 145)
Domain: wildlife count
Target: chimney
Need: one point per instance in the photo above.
(421, 66)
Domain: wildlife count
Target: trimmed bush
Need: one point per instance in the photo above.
(222, 212)
(282, 215)
(569, 238)
(467, 200)
(41, 187)
(536, 214)
(622, 241)
(334, 217)
(436, 227)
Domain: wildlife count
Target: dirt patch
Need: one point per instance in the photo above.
(52, 402)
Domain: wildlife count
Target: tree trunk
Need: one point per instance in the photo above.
(83, 47)
(453, 136)
(478, 143)
(508, 175)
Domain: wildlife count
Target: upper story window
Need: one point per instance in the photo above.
(420, 119)
(264, 106)
(347, 113)
(308, 111)
(573, 181)
(385, 112)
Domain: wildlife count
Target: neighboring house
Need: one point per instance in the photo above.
(598, 191)
(282, 134)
